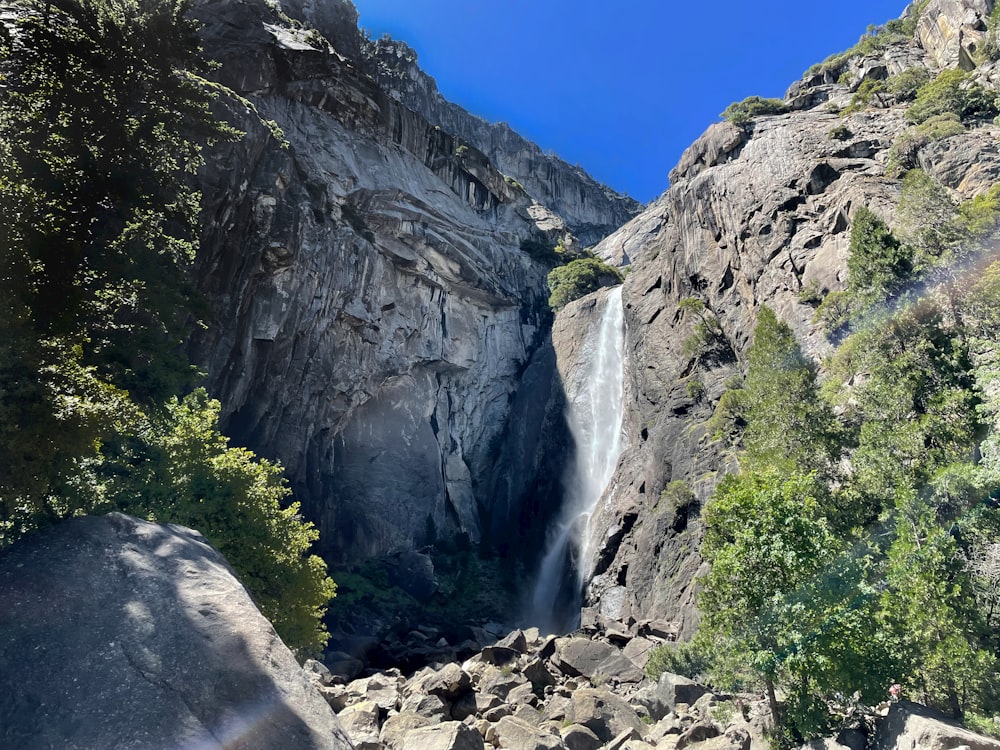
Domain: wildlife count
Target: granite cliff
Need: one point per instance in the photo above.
(376, 324)
(759, 213)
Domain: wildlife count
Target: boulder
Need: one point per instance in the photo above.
(362, 725)
(660, 699)
(623, 738)
(396, 727)
(449, 682)
(579, 737)
(498, 655)
(909, 725)
(638, 650)
(604, 713)
(122, 633)
(696, 734)
(517, 734)
(734, 738)
(451, 735)
(431, 706)
(515, 640)
(593, 659)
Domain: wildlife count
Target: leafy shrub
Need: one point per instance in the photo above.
(728, 419)
(904, 86)
(840, 133)
(695, 389)
(834, 313)
(691, 660)
(863, 96)
(979, 215)
(879, 264)
(874, 40)
(753, 106)
(951, 93)
(677, 495)
(707, 335)
(578, 278)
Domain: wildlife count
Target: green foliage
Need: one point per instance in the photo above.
(951, 93)
(863, 96)
(707, 337)
(879, 264)
(904, 85)
(990, 51)
(729, 418)
(695, 389)
(753, 106)
(578, 278)
(927, 221)
(834, 313)
(786, 421)
(178, 468)
(98, 109)
(872, 42)
(461, 151)
(676, 496)
(840, 133)
(692, 660)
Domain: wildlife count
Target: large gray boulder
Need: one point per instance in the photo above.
(594, 660)
(119, 633)
(911, 726)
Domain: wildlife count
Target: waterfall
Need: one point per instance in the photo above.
(595, 421)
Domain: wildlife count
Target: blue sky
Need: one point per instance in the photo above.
(621, 88)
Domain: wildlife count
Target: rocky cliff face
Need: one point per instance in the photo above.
(755, 214)
(376, 325)
(591, 210)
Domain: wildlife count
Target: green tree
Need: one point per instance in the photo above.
(765, 538)
(879, 264)
(787, 423)
(930, 606)
(578, 278)
(99, 104)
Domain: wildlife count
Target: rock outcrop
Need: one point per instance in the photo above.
(377, 326)
(911, 725)
(758, 213)
(116, 632)
(590, 210)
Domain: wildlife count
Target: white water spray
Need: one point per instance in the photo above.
(595, 421)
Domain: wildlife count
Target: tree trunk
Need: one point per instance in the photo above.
(772, 701)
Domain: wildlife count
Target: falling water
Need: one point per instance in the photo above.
(595, 421)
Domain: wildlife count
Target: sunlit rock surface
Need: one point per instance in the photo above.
(120, 633)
